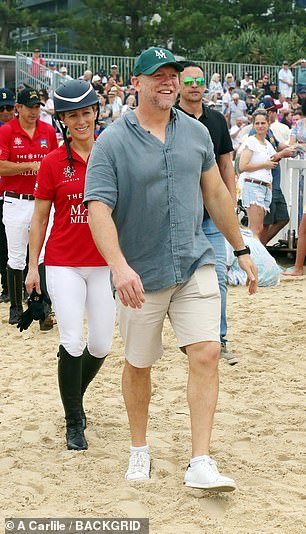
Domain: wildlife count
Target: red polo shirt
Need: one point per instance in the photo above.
(70, 242)
(17, 146)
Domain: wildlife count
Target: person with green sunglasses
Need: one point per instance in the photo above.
(189, 80)
(191, 102)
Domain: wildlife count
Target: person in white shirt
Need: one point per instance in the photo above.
(215, 85)
(115, 102)
(285, 80)
(235, 133)
(47, 110)
(257, 160)
(247, 82)
(237, 108)
(226, 100)
(65, 75)
(53, 76)
(280, 130)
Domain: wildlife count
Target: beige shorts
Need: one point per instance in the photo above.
(193, 309)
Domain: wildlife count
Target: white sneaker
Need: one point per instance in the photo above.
(139, 466)
(205, 475)
(228, 355)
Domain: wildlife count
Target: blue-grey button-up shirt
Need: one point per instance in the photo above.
(154, 191)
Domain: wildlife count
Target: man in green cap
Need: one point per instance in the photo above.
(146, 179)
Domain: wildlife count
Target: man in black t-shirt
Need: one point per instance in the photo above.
(192, 86)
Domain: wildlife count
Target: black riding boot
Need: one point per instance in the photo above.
(90, 367)
(70, 380)
(14, 280)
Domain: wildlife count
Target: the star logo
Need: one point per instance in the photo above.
(17, 141)
(68, 173)
(30, 156)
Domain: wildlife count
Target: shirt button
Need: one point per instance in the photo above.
(173, 225)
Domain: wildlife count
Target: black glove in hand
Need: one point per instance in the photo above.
(25, 320)
(35, 311)
(36, 303)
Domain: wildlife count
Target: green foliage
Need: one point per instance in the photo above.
(11, 19)
(248, 31)
(255, 46)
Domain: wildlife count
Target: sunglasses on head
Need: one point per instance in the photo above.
(189, 80)
(8, 108)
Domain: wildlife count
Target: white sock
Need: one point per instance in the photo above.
(197, 459)
(143, 448)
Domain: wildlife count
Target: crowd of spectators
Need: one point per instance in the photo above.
(236, 99)
(240, 98)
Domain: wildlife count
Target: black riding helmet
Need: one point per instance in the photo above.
(74, 94)
(71, 95)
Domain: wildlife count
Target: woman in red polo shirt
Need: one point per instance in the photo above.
(78, 278)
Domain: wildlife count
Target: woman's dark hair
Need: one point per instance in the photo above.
(44, 92)
(105, 98)
(303, 107)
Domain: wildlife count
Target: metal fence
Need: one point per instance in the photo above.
(76, 64)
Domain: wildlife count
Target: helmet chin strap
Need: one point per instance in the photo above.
(67, 145)
(64, 131)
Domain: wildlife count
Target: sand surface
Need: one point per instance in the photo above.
(258, 438)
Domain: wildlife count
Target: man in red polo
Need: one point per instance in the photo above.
(24, 142)
(7, 111)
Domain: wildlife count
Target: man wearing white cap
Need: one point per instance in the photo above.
(96, 82)
(63, 71)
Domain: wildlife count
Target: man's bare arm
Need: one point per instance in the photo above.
(10, 168)
(220, 207)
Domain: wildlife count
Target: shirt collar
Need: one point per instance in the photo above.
(132, 118)
(204, 112)
(63, 155)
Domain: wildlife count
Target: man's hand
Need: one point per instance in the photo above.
(129, 286)
(35, 166)
(250, 268)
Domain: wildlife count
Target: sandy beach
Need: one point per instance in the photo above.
(258, 438)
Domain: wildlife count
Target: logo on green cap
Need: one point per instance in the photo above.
(160, 54)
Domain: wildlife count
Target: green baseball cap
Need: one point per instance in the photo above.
(152, 59)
